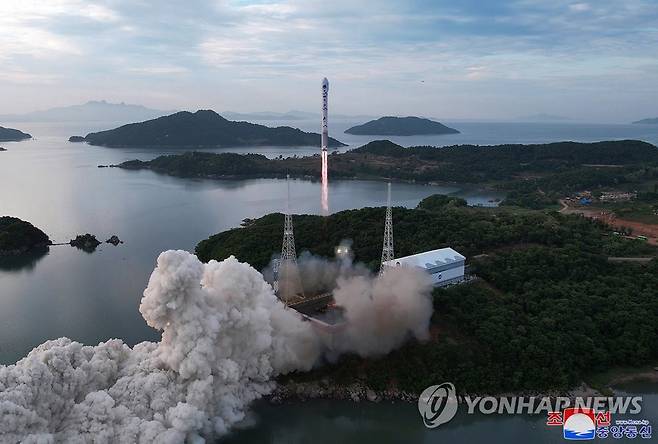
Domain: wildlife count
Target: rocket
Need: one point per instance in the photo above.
(325, 109)
(325, 144)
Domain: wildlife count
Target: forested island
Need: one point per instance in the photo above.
(19, 237)
(401, 126)
(12, 135)
(203, 128)
(548, 310)
(535, 176)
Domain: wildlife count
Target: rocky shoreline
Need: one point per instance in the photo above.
(323, 389)
(357, 392)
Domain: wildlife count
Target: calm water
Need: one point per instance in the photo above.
(57, 186)
(323, 421)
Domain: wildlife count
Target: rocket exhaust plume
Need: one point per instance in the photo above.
(325, 145)
(225, 336)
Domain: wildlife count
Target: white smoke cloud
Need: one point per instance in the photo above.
(225, 335)
(319, 274)
(382, 313)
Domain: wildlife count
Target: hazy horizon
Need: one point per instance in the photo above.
(471, 60)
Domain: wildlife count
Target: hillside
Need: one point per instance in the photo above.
(12, 135)
(18, 236)
(400, 126)
(653, 121)
(203, 128)
(546, 290)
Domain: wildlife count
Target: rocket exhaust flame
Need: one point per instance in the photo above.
(325, 185)
(325, 145)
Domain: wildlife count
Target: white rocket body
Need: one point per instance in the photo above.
(325, 111)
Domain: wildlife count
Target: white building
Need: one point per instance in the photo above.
(444, 265)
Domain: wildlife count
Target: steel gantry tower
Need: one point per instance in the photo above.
(287, 281)
(288, 252)
(388, 254)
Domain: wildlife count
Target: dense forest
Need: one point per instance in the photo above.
(541, 319)
(438, 221)
(547, 310)
(534, 175)
(18, 236)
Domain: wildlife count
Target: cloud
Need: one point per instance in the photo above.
(280, 46)
(158, 70)
(579, 7)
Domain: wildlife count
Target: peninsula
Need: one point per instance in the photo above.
(202, 129)
(400, 126)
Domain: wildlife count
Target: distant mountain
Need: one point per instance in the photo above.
(203, 128)
(653, 121)
(290, 115)
(543, 117)
(400, 126)
(12, 135)
(269, 115)
(100, 111)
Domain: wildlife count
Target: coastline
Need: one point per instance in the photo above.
(485, 186)
(291, 391)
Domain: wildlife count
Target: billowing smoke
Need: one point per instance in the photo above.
(318, 274)
(225, 335)
(382, 313)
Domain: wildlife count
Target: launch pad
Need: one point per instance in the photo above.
(312, 304)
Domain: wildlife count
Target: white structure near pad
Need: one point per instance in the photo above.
(445, 265)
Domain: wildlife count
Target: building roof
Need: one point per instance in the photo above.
(428, 259)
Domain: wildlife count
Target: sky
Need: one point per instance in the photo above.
(591, 60)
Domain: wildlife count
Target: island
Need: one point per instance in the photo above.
(202, 129)
(76, 139)
(400, 126)
(12, 135)
(19, 237)
(114, 240)
(85, 242)
(547, 311)
(653, 121)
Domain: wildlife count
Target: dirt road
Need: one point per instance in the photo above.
(639, 228)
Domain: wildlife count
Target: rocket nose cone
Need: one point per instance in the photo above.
(325, 83)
